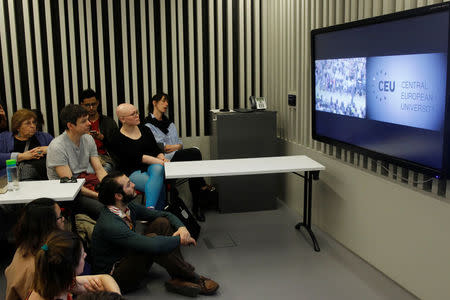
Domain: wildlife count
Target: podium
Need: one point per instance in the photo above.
(245, 135)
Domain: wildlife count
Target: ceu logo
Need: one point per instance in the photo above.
(386, 86)
(382, 85)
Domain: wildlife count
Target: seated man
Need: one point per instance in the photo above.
(74, 154)
(103, 128)
(118, 250)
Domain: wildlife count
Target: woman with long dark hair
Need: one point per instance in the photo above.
(58, 263)
(38, 219)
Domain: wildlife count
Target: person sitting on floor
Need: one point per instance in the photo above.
(139, 157)
(38, 219)
(127, 255)
(166, 133)
(74, 154)
(25, 144)
(103, 128)
(58, 263)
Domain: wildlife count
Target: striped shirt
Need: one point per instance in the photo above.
(125, 216)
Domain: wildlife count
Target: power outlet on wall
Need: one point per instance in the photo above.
(292, 99)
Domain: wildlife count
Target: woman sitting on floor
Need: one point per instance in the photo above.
(25, 144)
(58, 262)
(139, 157)
(166, 133)
(38, 219)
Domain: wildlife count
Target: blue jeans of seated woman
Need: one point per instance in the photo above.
(152, 184)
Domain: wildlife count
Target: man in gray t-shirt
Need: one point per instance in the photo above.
(74, 152)
(63, 152)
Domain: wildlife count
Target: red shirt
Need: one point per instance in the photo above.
(100, 147)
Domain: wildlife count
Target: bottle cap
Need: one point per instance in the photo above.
(10, 162)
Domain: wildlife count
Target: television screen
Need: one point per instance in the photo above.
(380, 85)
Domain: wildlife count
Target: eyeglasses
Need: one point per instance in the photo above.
(133, 114)
(90, 104)
(29, 123)
(68, 180)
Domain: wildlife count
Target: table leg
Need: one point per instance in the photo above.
(307, 204)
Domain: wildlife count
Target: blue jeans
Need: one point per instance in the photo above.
(152, 184)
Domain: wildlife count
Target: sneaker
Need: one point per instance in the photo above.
(208, 286)
(181, 287)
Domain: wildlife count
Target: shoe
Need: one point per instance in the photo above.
(208, 197)
(199, 215)
(208, 286)
(184, 288)
(208, 188)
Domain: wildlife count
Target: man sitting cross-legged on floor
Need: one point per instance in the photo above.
(118, 250)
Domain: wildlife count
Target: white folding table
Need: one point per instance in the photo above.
(30, 190)
(249, 166)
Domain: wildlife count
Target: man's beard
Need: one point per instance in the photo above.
(128, 198)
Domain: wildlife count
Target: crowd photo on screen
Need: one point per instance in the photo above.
(341, 86)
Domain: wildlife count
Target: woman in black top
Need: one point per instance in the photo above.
(139, 156)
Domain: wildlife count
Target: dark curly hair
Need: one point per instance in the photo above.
(88, 93)
(109, 187)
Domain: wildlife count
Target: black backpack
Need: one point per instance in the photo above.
(177, 207)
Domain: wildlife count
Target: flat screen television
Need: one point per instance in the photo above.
(380, 86)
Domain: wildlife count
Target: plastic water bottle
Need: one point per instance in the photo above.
(11, 172)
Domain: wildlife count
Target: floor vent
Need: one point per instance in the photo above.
(219, 241)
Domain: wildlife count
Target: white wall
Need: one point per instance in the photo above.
(400, 231)
(397, 227)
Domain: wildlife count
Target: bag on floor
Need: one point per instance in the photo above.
(179, 209)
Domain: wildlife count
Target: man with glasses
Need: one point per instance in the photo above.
(103, 128)
(74, 154)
